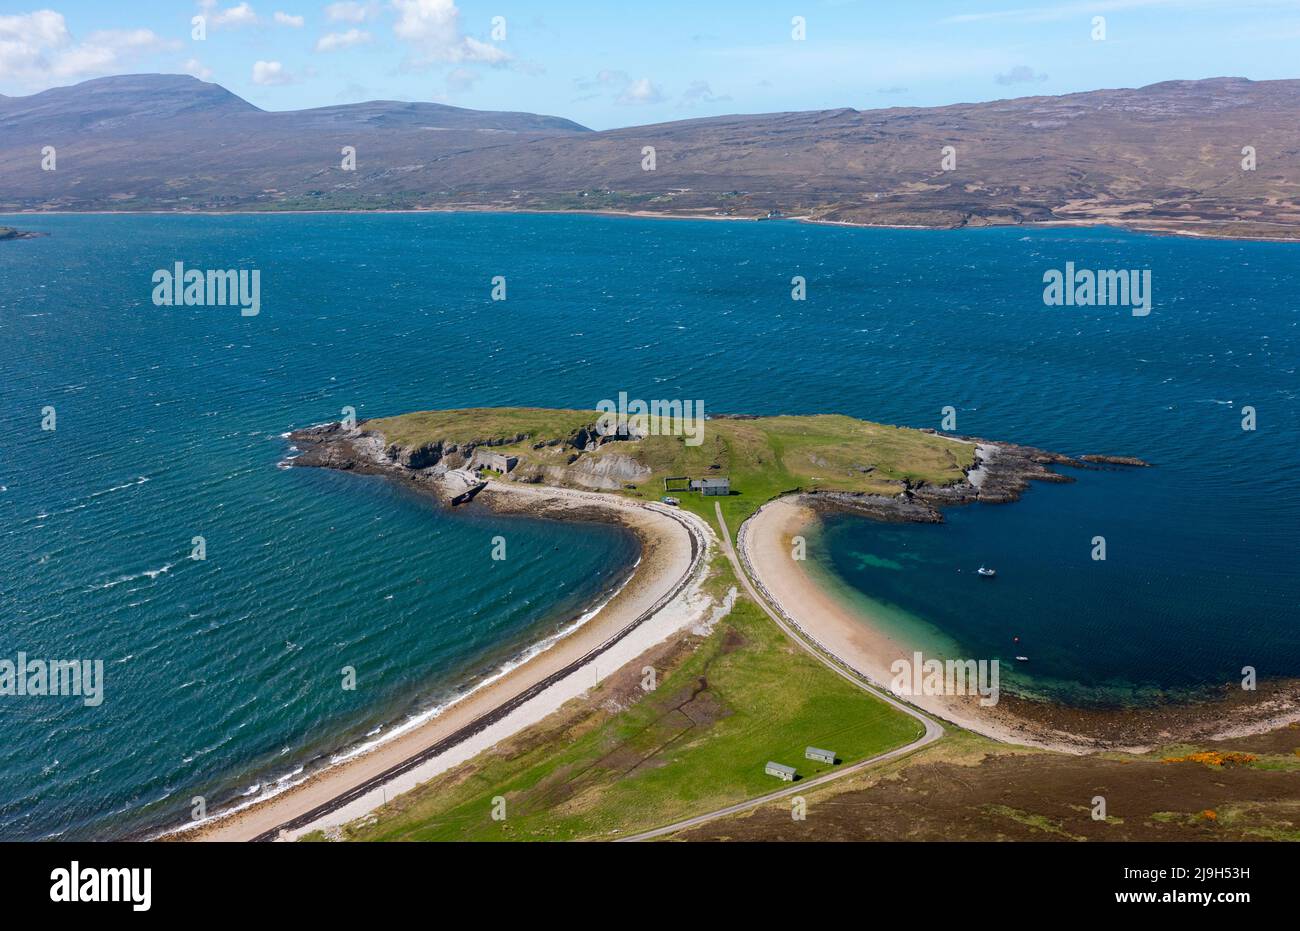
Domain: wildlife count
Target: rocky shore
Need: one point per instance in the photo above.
(8, 232)
(1001, 474)
(334, 446)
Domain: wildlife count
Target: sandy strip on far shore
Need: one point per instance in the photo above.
(664, 595)
(1144, 226)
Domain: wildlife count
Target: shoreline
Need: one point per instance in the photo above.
(867, 646)
(661, 596)
(662, 215)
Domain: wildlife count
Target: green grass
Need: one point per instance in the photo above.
(764, 457)
(698, 742)
(743, 696)
(480, 425)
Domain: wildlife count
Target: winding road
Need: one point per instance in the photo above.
(933, 730)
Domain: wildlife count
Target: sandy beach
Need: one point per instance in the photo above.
(765, 548)
(864, 644)
(1079, 223)
(662, 596)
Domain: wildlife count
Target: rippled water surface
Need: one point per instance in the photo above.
(223, 675)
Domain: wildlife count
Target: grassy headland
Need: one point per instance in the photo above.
(763, 457)
(623, 759)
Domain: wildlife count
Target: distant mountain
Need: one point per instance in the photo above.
(1167, 156)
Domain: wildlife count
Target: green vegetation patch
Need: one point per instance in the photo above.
(698, 742)
(763, 457)
(481, 425)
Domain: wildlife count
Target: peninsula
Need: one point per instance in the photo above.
(682, 610)
(560, 464)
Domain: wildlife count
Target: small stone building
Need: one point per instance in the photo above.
(712, 486)
(501, 463)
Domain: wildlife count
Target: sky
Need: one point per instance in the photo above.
(610, 63)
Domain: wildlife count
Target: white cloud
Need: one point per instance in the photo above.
(289, 19)
(640, 91)
(270, 73)
(605, 78)
(334, 41)
(700, 92)
(239, 15)
(198, 69)
(629, 90)
(37, 48)
(350, 11)
(432, 29)
(1020, 74)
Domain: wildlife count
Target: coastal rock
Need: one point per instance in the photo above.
(331, 446)
(897, 509)
(1116, 460)
(1001, 474)
(8, 232)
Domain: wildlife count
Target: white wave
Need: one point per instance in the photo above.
(139, 481)
(297, 777)
(148, 573)
(416, 720)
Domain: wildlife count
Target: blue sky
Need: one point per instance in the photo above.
(625, 62)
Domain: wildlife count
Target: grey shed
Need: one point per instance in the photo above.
(784, 773)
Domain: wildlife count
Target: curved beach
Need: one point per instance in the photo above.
(864, 644)
(661, 597)
(765, 548)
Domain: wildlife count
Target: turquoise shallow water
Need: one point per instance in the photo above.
(223, 675)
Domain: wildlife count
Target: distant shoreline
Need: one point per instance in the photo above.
(658, 215)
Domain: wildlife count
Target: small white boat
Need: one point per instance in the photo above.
(1022, 659)
(987, 573)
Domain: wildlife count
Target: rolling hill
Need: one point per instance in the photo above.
(1168, 156)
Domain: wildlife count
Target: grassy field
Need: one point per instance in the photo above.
(481, 425)
(764, 457)
(967, 787)
(627, 760)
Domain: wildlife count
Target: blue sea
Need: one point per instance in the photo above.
(223, 676)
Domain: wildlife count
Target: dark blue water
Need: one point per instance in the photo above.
(224, 674)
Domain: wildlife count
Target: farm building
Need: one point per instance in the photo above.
(784, 773)
(502, 463)
(821, 756)
(712, 486)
